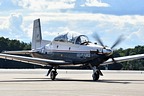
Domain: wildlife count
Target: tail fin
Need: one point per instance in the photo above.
(37, 37)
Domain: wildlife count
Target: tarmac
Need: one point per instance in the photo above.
(34, 82)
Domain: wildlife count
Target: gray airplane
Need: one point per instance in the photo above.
(67, 50)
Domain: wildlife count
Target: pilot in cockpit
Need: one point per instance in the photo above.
(78, 41)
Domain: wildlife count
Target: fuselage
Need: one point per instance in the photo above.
(74, 52)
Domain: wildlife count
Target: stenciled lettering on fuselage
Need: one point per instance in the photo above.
(83, 54)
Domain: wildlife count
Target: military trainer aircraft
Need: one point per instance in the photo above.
(67, 50)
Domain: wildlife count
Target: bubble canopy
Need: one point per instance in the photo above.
(77, 39)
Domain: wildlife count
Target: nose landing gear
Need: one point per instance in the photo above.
(96, 73)
(95, 76)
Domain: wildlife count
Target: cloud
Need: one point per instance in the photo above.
(109, 27)
(47, 5)
(93, 3)
(91, 6)
(12, 27)
(13, 23)
(44, 5)
(83, 23)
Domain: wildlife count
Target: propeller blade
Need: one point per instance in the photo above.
(118, 41)
(97, 38)
(113, 59)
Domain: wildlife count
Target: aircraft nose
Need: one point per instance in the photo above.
(108, 51)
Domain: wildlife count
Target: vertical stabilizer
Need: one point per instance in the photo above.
(37, 37)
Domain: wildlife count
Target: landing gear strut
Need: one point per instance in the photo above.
(53, 73)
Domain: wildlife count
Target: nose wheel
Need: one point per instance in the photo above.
(96, 73)
(95, 76)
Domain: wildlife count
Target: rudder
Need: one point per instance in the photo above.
(37, 37)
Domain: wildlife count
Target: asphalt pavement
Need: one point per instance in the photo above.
(34, 82)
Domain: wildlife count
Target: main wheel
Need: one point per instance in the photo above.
(95, 76)
(53, 75)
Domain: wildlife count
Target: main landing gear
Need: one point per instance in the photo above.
(53, 73)
(96, 73)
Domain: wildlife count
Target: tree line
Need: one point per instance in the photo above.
(12, 45)
(134, 64)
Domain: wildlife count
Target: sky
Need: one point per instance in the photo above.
(108, 18)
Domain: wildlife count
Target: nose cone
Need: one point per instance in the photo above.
(108, 51)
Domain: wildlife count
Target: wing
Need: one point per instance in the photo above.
(18, 52)
(125, 58)
(37, 61)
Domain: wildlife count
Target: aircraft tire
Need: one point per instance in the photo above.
(53, 75)
(95, 76)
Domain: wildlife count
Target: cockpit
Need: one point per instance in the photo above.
(80, 39)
